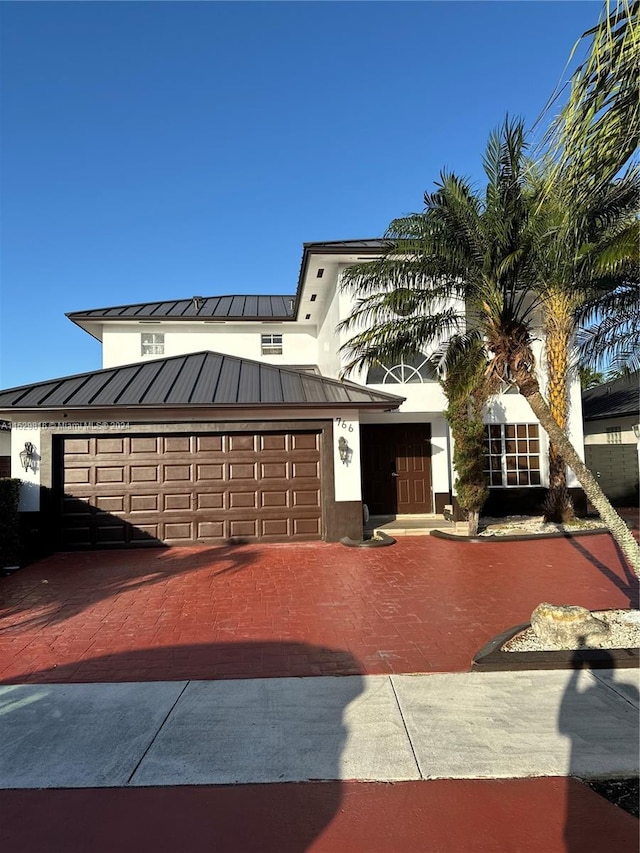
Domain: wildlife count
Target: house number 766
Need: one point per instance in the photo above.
(344, 425)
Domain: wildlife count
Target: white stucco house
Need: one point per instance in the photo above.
(224, 417)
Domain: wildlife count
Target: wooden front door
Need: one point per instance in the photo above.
(396, 468)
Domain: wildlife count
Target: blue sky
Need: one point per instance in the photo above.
(159, 150)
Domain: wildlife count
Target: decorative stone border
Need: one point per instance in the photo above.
(519, 537)
(491, 658)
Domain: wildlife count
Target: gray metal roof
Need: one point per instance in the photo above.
(238, 307)
(256, 307)
(197, 379)
(613, 399)
(376, 243)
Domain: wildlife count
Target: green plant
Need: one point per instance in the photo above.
(9, 535)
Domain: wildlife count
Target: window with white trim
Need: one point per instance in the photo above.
(412, 368)
(512, 455)
(152, 343)
(271, 344)
(614, 435)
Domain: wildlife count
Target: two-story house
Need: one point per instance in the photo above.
(224, 417)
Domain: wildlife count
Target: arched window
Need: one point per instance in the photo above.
(416, 368)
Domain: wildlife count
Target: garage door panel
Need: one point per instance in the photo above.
(176, 502)
(210, 530)
(243, 527)
(145, 534)
(111, 534)
(111, 445)
(144, 503)
(176, 473)
(242, 471)
(133, 490)
(209, 472)
(77, 475)
(177, 444)
(242, 442)
(144, 445)
(305, 498)
(180, 531)
(274, 498)
(274, 527)
(210, 500)
(306, 527)
(109, 503)
(242, 499)
(209, 444)
(144, 474)
(305, 441)
(273, 443)
(78, 446)
(306, 469)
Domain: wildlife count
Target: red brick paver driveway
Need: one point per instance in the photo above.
(423, 605)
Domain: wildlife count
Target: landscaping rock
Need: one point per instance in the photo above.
(565, 625)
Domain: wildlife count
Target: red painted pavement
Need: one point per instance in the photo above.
(422, 605)
(445, 816)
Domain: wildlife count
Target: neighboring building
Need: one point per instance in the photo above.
(611, 437)
(225, 417)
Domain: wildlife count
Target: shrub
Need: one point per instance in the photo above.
(9, 535)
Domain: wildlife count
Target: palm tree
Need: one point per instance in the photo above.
(609, 335)
(597, 131)
(465, 269)
(582, 251)
(462, 367)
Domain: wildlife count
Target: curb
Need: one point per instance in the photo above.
(491, 658)
(523, 537)
(380, 541)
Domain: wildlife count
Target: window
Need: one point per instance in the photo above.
(152, 343)
(271, 344)
(416, 368)
(512, 454)
(614, 435)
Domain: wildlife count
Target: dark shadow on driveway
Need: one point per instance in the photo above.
(200, 661)
(249, 818)
(628, 584)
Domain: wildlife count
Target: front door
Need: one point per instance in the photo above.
(396, 468)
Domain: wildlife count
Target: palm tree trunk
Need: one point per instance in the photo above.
(474, 521)
(558, 505)
(619, 530)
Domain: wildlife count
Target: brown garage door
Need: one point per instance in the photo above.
(135, 490)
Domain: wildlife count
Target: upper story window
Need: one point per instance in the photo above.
(512, 454)
(416, 368)
(271, 344)
(152, 343)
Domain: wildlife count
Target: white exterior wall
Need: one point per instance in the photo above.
(30, 480)
(328, 342)
(348, 477)
(122, 344)
(595, 432)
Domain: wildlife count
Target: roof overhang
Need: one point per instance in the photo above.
(196, 380)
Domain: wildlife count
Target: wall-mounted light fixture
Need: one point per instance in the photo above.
(636, 431)
(344, 451)
(28, 457)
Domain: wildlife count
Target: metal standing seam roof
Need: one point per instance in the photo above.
(233, 307)
(239, 307)
(613, 399)
(196, 379)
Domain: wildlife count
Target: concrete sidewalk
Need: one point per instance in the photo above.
(382, 728)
